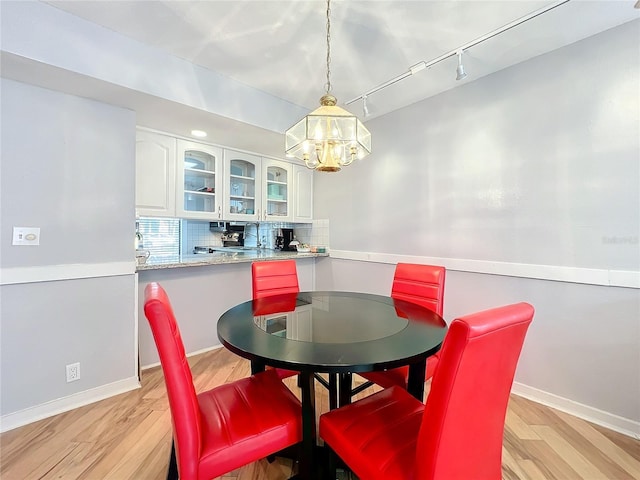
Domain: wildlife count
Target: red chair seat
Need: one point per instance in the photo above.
(377, 449)
(235, 415)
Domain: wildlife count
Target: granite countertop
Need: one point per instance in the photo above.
(218, 258)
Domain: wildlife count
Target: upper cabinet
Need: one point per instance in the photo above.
(199, 181)
(185, 179)
(155, 174)
(277, 181)
(243, 187)
(303, 194)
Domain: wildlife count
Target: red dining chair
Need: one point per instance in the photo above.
(422, 285)
(275, 278)
(218, 430)
(458, 433)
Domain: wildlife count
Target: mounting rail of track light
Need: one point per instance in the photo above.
(456, 52)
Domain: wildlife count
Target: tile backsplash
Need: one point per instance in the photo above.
(315, 234)
(197, 233)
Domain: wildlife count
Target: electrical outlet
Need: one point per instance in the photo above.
(73, 372)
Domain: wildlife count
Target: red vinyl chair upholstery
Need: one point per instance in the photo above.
(219, 430)
(458, 434)
(423, 285)
(275, 278)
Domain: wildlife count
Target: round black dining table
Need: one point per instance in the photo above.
(332, 332)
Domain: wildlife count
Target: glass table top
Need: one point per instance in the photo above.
(331, 331)
(319, 318)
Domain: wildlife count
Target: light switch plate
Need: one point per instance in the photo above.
(26, 235)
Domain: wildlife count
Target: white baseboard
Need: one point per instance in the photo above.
(197, 352)
(608, 420)
(61, 405)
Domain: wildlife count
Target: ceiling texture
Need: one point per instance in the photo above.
(279, 47)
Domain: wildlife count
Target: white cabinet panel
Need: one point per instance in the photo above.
(155, 174)
(303, 194)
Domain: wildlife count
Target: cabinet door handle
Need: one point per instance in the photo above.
(219, 212)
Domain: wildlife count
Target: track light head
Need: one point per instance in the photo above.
(365, 108)
(460, 73)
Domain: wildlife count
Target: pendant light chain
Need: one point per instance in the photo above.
(328, 85)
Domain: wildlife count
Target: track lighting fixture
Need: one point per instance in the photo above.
(364, 106)
(460, 73)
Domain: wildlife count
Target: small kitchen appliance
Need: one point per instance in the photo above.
(233, 236)
(287, 238)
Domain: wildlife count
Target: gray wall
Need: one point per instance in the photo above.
(68, 168)
(199, 296)
(536, 167)
(537, 164)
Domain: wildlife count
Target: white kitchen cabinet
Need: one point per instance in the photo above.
(302, 194)
(155, 174)
(199, 189)
(242, 186)
(277, 181)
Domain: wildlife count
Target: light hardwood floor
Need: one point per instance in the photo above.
(129, 437)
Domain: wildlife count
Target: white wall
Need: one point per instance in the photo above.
(35, 31)
(68, 168)
(532, 172)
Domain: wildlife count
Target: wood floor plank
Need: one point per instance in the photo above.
(531, 470)
(579, 463)
(519, 427)
(601, 451)
(511, 469)
(628, 444)
(128, 437)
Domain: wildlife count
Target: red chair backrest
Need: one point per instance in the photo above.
(421, 284)
(183, 402)
(463, 424)
(274, 278)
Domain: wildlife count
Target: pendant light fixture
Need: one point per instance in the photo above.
(329, 138)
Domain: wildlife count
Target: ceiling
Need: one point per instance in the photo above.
(279, 47)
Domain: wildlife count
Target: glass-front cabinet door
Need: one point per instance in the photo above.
(276, 198)
(243, 191)
(199, 193)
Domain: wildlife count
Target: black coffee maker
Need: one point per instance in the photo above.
(284, 237)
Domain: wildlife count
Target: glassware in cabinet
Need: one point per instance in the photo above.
(200, 180)
(278, 187)
(242, 197)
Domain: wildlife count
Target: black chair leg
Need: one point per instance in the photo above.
(172, 472)
(332, 462)
(333, 391)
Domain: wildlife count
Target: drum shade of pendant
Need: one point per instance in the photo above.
(330, 137)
